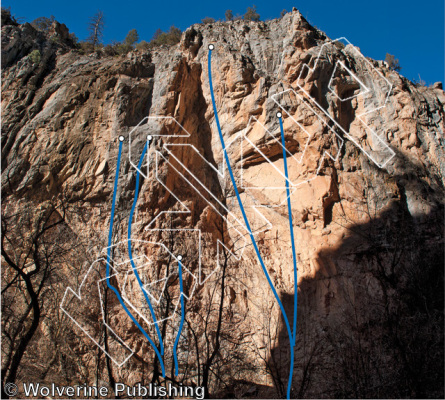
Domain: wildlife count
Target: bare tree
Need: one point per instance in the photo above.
(96, 29)
(34, 244)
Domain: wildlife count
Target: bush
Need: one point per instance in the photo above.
(8, 18)
(123, 48)
(157, 34)
(419, 82)
(208, 20)
(283, 13)
(229, 15)
(174, 34)
(393, 63)
(251, 14)
(56, 39)
(86, 47)
(74, 38)
(143, 46)
(169, 38)
(132, 37)
(110, 49)
(43, 23)
(35, 56)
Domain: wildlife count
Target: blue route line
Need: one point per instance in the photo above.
(175, 356)
(110, 239)
(294, 255)
(291, 228)
(232, 178)
(133, 266)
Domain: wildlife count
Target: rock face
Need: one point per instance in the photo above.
(367, 172)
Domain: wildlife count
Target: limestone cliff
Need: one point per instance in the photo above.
(367, 176)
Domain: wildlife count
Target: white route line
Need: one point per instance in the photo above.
(367, 90)
(130, 270)
(237, 254)
(326, 152)
(79, 297)
(300, 88)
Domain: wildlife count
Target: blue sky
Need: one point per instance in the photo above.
(411, 30)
